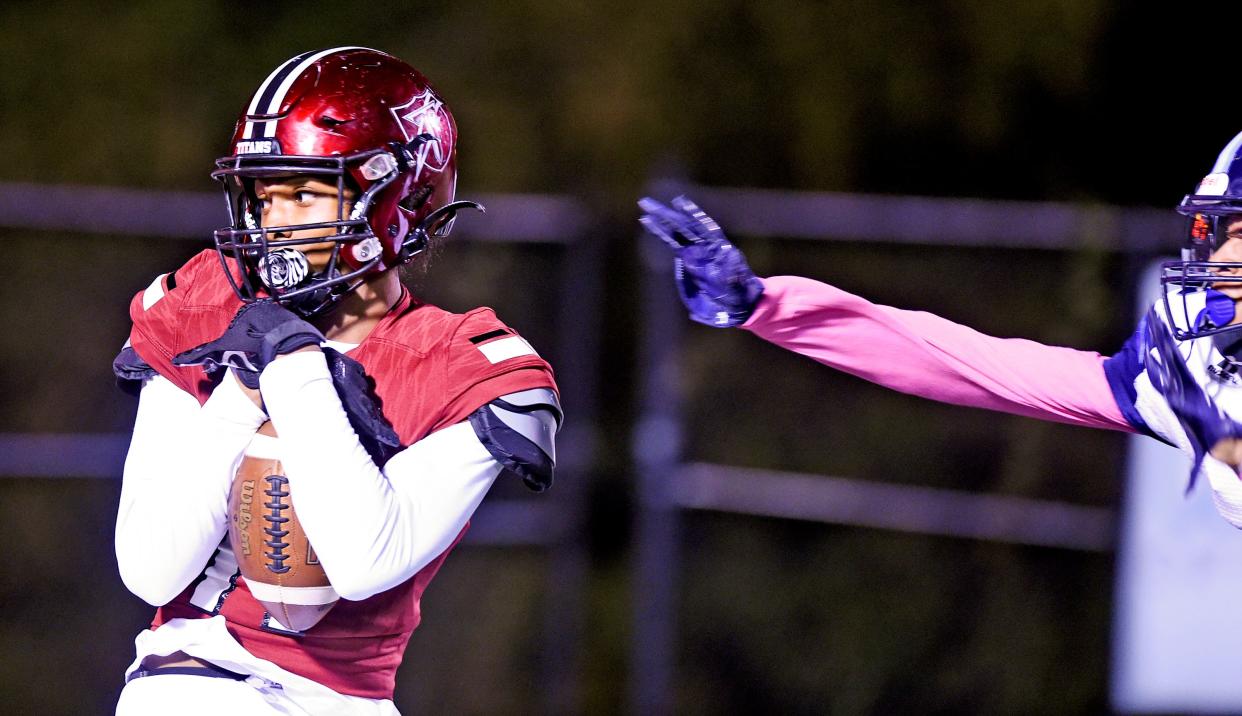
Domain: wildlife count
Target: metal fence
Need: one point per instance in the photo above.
(665, 484)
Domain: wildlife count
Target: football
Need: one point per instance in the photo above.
(274, 555)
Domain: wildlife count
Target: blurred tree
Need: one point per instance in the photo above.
(553, 95)
(1025, 100)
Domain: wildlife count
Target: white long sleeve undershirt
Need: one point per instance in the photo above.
(175, 486)
(371, 529)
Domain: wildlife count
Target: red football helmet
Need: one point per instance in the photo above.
(376, 126)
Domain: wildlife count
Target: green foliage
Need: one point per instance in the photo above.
(550, 95)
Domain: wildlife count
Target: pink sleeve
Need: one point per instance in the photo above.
(925, 355)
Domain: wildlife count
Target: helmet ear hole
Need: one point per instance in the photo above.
(415, 200)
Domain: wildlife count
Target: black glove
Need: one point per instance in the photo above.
(259, 332)
(712, 276)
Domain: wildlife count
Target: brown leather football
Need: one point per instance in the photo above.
(275, 557)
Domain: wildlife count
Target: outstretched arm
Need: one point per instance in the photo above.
(926, 355)
(1146, 387)
(909, 351)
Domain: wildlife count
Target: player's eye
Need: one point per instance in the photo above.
(264, 203)
(304, 197)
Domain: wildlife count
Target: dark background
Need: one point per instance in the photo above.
(1084, 101)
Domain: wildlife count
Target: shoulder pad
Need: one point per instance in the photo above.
(130, 370)
(483, 342)
(519, 430)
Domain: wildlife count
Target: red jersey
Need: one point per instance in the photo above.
(431, 369)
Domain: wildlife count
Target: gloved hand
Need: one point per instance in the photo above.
(259, 332)
(712, 276)
(1207, 427)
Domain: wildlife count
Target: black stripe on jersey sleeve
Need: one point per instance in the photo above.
(489, 335)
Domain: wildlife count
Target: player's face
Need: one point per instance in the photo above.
(295, 200)
(1230, 251)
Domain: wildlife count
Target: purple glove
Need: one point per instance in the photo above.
(259, 332)
(1203, 421)
(712, 276)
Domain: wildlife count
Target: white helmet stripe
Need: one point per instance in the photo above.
(266, 101)
(277, 73)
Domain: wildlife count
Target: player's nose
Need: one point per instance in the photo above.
(277, 215)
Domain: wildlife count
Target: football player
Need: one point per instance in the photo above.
(294, 338)
(1176, 379)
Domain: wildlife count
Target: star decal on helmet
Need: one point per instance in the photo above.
(425, 114)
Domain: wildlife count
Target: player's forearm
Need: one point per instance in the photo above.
(925, 355)
(175, 488)
(371, 529)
